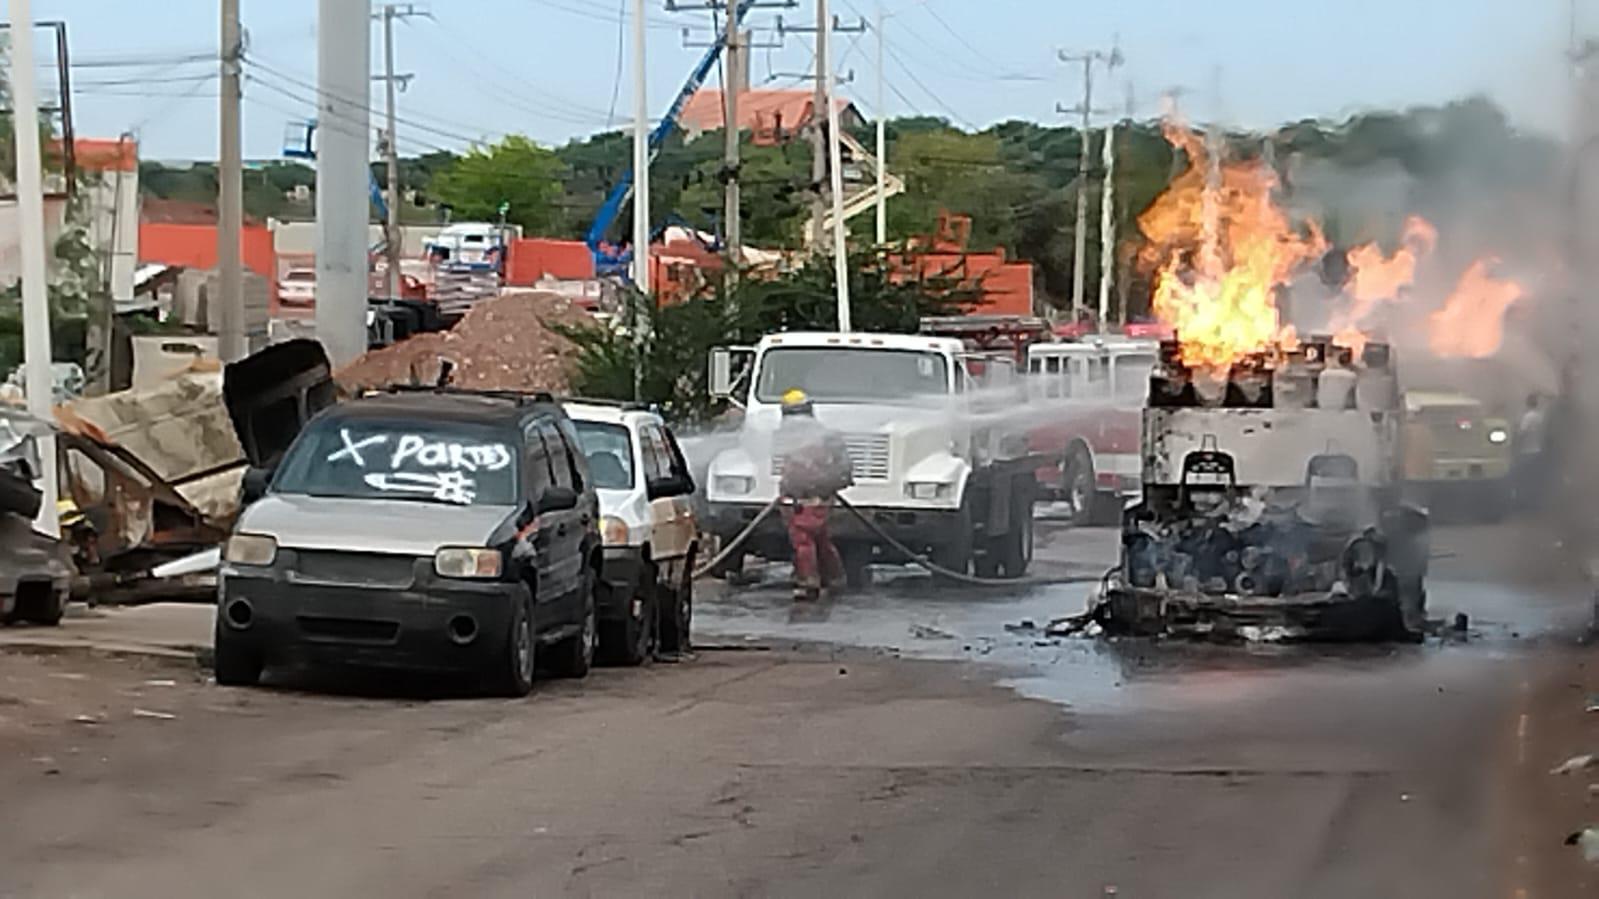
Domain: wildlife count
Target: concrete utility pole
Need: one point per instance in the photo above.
(733, 82)
(1107, 226)
(835, 157)
(393, 231)
(35, 298)
(230, 201)
(1080, 247)
(882, 139)
(818, 116)
(392, 238)
(641, 196)
(344, 67)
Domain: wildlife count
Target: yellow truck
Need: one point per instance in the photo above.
(1457, 455)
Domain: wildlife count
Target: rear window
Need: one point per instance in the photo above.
(453, 463)
(609, 450)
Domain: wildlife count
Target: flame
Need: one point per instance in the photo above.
(1472, 322)
(1374, 278)
(1220, 247)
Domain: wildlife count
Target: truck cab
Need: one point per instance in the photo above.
(937, 465)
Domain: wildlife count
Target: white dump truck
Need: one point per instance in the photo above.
(1272, 503)
(938, 447)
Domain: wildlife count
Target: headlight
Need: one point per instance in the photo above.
(467, 562)
(928, 489)
(736, 484)
(250, 549)
(1498, 435)
(613, 530)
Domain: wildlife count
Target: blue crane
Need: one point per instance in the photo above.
(608, 260)
(299, 142)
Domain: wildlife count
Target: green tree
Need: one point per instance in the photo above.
(517, 172)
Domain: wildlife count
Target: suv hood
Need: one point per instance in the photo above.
(409, 528)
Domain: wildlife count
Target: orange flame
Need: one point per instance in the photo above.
(1220, 247)
(1472, 322)
(1374, 278)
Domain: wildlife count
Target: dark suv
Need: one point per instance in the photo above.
(433, 529)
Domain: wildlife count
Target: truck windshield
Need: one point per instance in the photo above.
(609, 449)
(359, 458)
(848, 375)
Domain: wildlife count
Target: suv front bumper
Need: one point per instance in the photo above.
(422, 627)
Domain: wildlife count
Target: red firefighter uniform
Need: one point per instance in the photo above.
(816, 467)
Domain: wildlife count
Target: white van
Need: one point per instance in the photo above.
(647, 523)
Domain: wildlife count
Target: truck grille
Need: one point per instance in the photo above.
(868, 457)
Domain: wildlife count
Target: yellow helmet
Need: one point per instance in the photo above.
(796, 402)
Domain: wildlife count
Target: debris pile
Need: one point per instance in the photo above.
(501, 344)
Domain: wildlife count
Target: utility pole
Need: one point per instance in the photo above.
(1107, 225)
(393, 235)
(641, 196)
(230, 202)
(732, 84)
(35, 298)
(882, 139)
(343, 171)
(1080, 236)
(835, 157)
(818, 116)
(1121, 219)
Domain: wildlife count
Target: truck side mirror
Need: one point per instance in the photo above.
(721, 374)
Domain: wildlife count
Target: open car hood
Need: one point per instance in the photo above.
(271, 395)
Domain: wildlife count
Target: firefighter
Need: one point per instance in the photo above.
(816, 467)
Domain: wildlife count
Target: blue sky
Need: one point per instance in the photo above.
(547, 67)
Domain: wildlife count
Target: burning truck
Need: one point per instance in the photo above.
(1272, 504)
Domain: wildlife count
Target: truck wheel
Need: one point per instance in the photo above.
(732, 568)
(1079, 487)
(857, 566)
(956, 556)
(1016, 547)
(234, 663)
(630, 641)
(575, 655)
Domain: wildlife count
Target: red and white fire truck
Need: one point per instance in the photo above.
(1089, 394)
(1086, 390)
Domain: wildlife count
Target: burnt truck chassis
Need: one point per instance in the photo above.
(1338, 558)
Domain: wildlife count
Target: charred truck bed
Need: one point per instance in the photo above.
(1272, 503)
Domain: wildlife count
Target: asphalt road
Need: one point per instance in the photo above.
(902, 741)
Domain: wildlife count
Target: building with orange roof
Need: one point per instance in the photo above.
(771, 115)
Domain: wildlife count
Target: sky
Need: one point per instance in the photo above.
(548, 68)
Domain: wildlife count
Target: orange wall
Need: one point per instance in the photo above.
(195, 246)
(1007, 287)
(532, 258)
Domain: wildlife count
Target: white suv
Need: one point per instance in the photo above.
(647, 521)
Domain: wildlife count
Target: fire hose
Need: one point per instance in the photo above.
(913, 556)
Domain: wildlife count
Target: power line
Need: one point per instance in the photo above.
(365, 105)
(894, 54)
(590, 114)
(616, 83)
(596, 15)
(985, 58)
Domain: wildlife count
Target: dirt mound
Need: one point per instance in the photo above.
(501, 344)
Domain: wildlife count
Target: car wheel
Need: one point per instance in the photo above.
(39, 603)
(513, 674)
(677, 615)
(630, 641)
(234, 663)
(575, 655)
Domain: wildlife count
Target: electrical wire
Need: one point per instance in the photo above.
(616, 81)
(409, 121)
(596, 15)
(573, 111)
(954, 116)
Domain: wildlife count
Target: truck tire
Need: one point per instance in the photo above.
(631, 641)
(857, 562)
(956, 555)
(1079, 487)
(1016, 547)
(574, 656)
